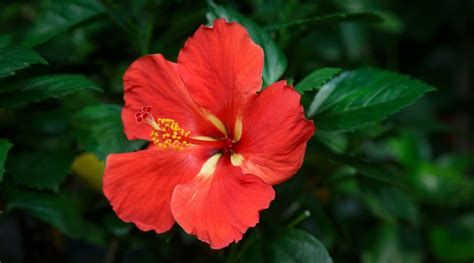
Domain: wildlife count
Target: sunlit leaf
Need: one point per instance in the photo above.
(99, 129)
(317, 79)
(4, 148)
(61, 17)
(16, 58)
(275, 60)
(53, 86)
(363, 96)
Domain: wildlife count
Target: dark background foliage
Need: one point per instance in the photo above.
(372, 188)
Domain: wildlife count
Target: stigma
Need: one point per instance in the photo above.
(166, 133)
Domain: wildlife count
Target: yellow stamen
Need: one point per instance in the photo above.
(165, 134)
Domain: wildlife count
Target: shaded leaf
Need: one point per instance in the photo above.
(15, 58)
(275, 60)
(4, 148)
(364, 17)
(61, 17)
(52, 86)
(389, 244)
(317, 79)
(454, 240)
(289, 245)
(389, 203)
(60, 210)
(99, 129)
(44, 169)
(360, 97)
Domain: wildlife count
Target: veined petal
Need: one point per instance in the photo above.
(139, 185)
(219, 208)
(153, 81)
(274, 134)
(222, 68)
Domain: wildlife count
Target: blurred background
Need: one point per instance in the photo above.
(400, 190)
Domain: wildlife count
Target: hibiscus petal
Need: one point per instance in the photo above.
(274, 134)
(222, 68)
(153, 81)
(219, 208)
(139, 185)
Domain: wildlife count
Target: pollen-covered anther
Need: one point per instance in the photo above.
(170, 135)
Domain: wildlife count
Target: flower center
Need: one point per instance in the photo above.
(166, 133)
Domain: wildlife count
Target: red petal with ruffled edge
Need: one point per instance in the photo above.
(274, 135)
(219, 208)
(153, 81)
(139, 185)
(222, 68)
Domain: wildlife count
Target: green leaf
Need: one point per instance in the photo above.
(390, 244)
(44, 169)
(5, 40)
(360, 97)
(99, 129)
(61, 17)
(317, 79)
(4, 148)
(454, 240)
(60, 210)
(364, 17)
(275, 60)
(388, 203)
(289, 245)
(15, 58)
(52, 86)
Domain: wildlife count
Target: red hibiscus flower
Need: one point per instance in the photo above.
(217, 146)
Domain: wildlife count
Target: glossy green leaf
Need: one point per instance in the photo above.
(289, 245)
(46, 169)
(16, 58)
(360, 97)
(275, 60)
(52, 86)
(60, 210)
(317, 79)
(99, 129)
(60, 17)
(4, 148)
(454, 241)
(364, 17)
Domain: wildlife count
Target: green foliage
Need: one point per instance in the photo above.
(99, 129)
(4, 148)
(60, 17)
(454, 240)
(317, 79)
(360, 97)
(275, 60)
(367, 17)
(62, 211)
(42, 169)
(39, 88)
(385, 179)
(16, 58)
(289, 245)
